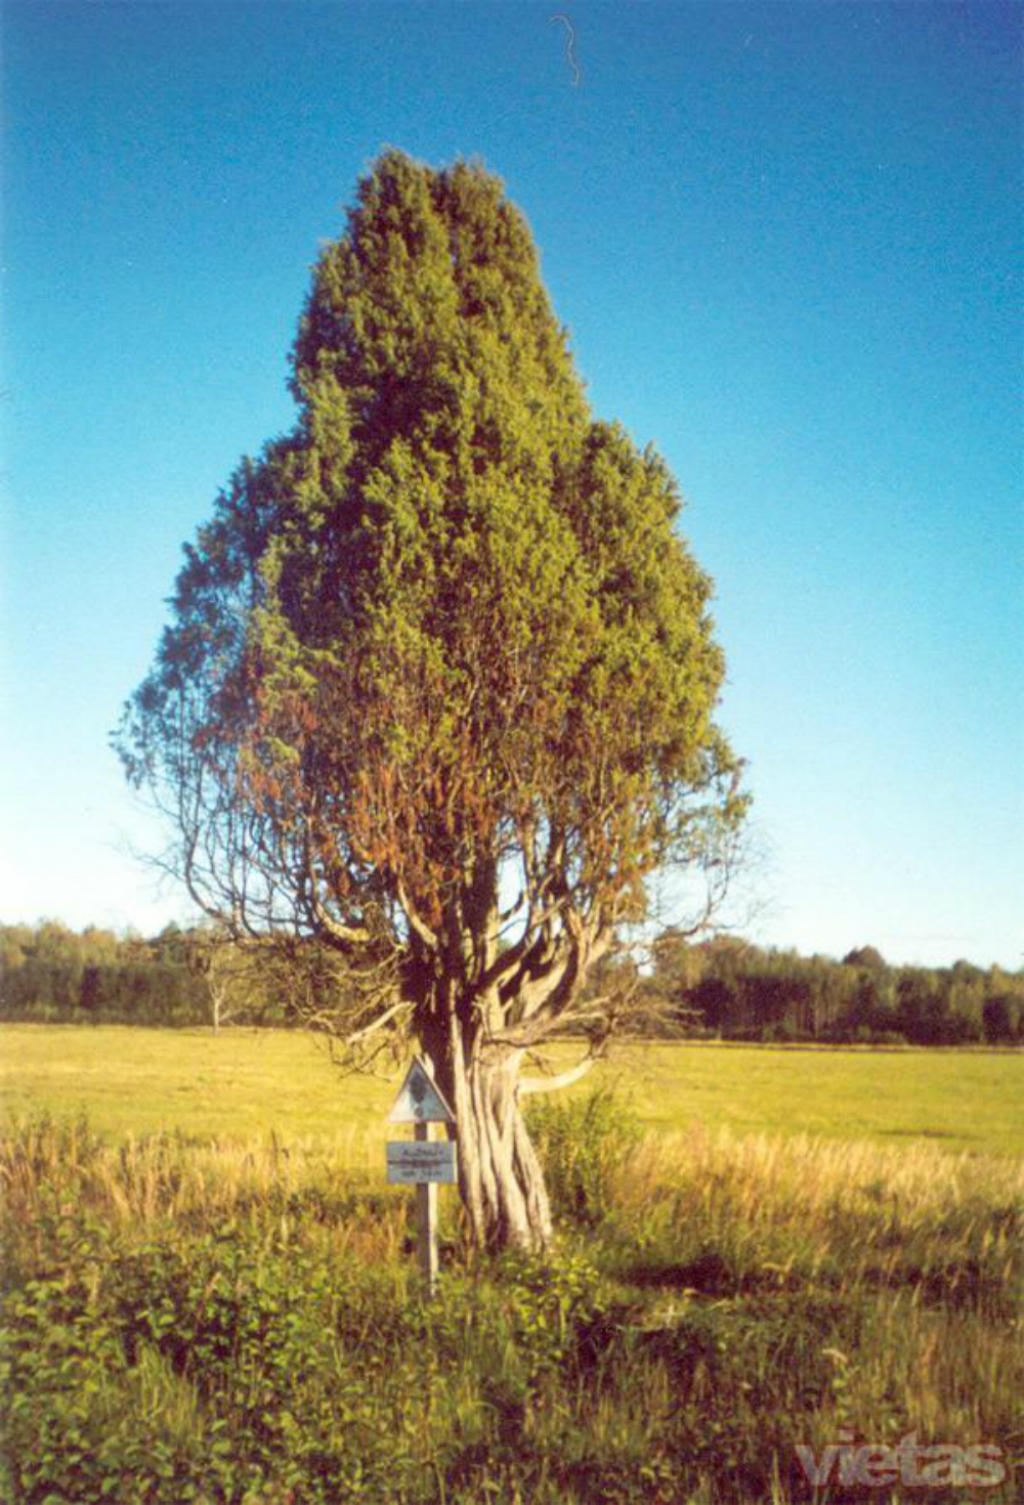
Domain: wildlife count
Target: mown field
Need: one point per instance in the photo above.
(210, 1295)
(247, 1083)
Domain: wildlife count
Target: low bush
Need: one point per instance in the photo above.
(584, 1142)
(736, 1299)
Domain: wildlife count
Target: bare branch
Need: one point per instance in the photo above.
(418, 925)
(397, 1010)
(532, 1085)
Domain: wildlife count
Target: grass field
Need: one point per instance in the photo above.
(248, 1083)
(760, 1251)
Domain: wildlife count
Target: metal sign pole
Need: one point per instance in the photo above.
(426, 1223)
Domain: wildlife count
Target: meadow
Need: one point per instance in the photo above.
(246, 1083)
(210, 1294)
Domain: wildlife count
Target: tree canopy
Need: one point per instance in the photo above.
(440, 680)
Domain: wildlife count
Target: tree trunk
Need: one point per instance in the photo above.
(500, 1176)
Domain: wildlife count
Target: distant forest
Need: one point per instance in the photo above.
(723, 988)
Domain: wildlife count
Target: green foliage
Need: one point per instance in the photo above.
(737, 1299)
(446, 623)
(52, 974)
(240, 1364)
(584, 1142)
(552, 1301)
(232, 1364)
(735, 990)
(49, 972)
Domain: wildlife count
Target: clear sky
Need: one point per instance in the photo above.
(782, 239)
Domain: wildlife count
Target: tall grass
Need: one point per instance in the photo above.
(224, 1322)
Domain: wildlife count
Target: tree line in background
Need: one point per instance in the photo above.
(51, 974)
(726, 987)
(720, 988)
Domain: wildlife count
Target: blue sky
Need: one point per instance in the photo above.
(782, 240)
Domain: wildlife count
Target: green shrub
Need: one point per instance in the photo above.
(229, 1369)
(583, 1143)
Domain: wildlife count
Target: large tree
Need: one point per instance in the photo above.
(439, 686)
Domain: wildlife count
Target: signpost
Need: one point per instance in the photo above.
(422, 1162)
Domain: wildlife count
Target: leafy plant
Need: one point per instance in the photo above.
(584, 1143)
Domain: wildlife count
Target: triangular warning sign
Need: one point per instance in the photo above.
(419, 1100)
